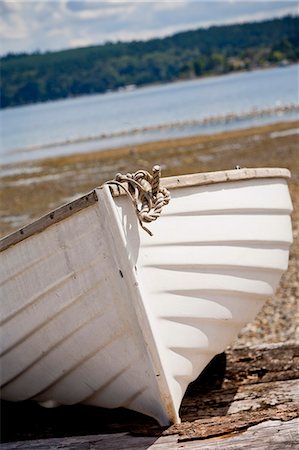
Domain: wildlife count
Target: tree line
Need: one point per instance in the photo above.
(39, 77)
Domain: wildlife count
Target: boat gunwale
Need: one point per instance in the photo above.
(174, 182)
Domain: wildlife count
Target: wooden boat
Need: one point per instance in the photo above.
(96, 311)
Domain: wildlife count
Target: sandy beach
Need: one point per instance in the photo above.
(32, 189)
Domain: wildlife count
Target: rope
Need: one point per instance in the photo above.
(145, 192)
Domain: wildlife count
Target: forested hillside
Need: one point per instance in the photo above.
(30, 78)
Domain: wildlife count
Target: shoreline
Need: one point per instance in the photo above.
(153, 146)
(228, 118)
(127, 88)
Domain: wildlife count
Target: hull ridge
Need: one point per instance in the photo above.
(96, 311)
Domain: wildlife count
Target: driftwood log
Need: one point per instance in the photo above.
(247, 398)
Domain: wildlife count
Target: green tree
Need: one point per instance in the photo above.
(29, 78)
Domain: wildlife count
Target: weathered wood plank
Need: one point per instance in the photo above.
(232, 423)
(248, 397)
(271, 435)
(262, 363)
(249, 375)
(240, 389)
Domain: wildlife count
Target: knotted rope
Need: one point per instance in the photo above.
(145, 192)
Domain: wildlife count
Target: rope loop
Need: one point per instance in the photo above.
(145, 192)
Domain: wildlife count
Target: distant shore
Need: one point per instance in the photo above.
(38, 77)
(32, 189)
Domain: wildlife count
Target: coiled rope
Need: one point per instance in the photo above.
(145, 192)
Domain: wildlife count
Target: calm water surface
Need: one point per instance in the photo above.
(93, 122)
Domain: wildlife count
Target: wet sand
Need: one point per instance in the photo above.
(32, 189)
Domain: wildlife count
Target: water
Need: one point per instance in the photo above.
(128, 117)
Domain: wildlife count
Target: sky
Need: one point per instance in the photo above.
(41, 25)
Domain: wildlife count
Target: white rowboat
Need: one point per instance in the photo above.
(96, 311)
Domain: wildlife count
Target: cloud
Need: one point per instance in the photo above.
(56, 24)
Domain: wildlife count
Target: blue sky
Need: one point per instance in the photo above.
(57, 24)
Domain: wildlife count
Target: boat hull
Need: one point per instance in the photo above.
(101, 313)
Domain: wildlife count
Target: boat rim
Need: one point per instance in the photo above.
(237, 174)
(174, 182)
